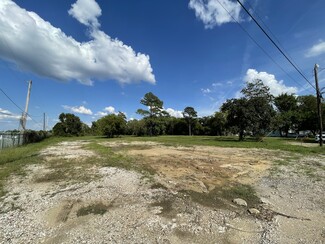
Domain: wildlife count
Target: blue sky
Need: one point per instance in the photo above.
(92, 58)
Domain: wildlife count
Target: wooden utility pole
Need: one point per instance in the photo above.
(25, 113)
(319, 106)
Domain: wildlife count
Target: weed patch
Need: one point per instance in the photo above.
(167, 207)
(96, 208)
(158, 186)
(109, 158)
(220, 197)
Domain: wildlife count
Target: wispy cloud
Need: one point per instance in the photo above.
(316, 50)
(61, 57)
(206, 90)
(6, 114)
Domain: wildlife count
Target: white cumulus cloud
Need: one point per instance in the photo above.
(78, 110)
(35, 45)
(213, 13)
(316, 50)
(86, 12)
(276, 87)
(101, 114)
(174, 113)
(110, 109)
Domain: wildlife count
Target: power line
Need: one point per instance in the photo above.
(276, 45)
(18, 106)
(11, 100)
(257, 44)
(270, 31)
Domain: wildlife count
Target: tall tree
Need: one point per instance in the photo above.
(287, 113)
(307, 113)
(69, 125)
(251, 113)
(260, 102)
(155, 110)
(189, 114)
(217, 124)
(238, 112)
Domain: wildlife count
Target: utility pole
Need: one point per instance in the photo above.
(25, 113)
(319, 106)
(44, 125)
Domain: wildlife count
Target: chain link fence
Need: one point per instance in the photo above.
(11, 140)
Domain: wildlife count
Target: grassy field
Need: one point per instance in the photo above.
(271, 143)
(12, 161)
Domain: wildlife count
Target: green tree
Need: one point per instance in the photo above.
(238, 113)
(69, 125)
(307, 113)
(260, 101)
(286, 117)
(111, 125)
(252, 113)
(155, 110)
(176, 126)
(217, 124)
(189, 114)
(136, 127)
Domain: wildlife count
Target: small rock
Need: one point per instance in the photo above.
(221, 229)
(253, 211)
(240, 202)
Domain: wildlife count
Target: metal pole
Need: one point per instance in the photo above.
(44, 127)
(24, 117)
(319, 106)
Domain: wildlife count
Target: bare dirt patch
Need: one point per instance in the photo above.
(200, 168)
(304, 144)
(121, 206)
(68, 150)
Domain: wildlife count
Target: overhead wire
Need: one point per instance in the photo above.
(262, 49)
(11, 100)
(276, 45)
(270, 31)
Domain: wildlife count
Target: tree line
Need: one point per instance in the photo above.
(255, 113)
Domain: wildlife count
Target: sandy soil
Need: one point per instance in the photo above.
(292, 198)
(200, 168)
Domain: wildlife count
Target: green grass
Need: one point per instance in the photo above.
(13, 160)
(271, 143)
(110, 157)
(220, 197)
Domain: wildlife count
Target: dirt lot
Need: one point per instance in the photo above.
(199, 168)
(70, 198)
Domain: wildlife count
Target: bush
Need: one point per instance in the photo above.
(32, 136)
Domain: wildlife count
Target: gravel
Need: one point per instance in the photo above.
(292, 210)
(47, 212)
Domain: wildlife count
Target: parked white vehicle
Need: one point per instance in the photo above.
(318, 135)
